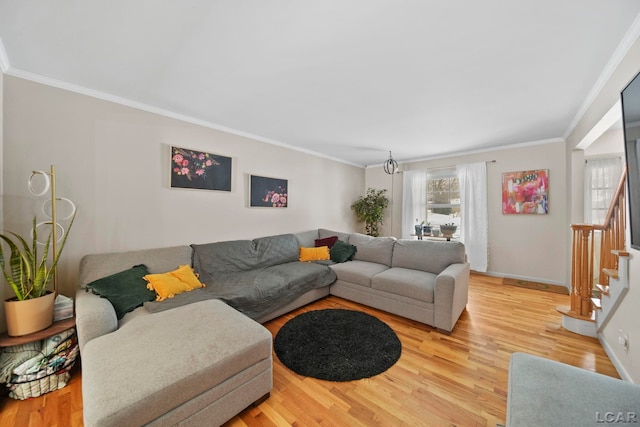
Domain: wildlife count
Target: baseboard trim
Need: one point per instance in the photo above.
(526, 278)
(614, 359)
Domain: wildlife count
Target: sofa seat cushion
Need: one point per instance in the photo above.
(179, 354)
(414, 284)
(259, 292)
(255, 293)
(358, 272)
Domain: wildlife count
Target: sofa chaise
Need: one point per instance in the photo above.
(203, 356)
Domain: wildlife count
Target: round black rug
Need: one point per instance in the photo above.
(337, 345)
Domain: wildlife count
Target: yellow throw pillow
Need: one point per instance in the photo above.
(314, 254)
(168, 285)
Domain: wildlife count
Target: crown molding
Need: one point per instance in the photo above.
(4, 59)
(623, 48)
(48, 81)
(478, 151)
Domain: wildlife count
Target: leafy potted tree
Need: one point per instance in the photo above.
(29, 274)
(370, 210)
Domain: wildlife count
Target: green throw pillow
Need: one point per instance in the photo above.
(126, 290)
(341, 252)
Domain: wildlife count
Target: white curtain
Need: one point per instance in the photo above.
(472, 179)
(414, 200)
(601, 177)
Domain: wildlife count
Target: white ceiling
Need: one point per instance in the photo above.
(348, 79)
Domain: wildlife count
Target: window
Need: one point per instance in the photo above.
(601, 181)
(443, 198)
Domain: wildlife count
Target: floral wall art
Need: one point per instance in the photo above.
(269, 192)
(199, 170)
(525, 192)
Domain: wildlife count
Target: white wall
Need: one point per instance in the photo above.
(611, 143)
(627, 317)
(530, 247)
(113, 161)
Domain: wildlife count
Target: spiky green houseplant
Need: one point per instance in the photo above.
(370, 210)
(29, 273)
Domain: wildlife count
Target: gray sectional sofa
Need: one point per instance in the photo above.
(203, 356)
(426, 281)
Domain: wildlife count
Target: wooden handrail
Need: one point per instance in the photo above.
(620, 192)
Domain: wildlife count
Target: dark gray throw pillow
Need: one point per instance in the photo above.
(342, 252)
(125, 290)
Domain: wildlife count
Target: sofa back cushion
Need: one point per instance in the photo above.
(373, 249)
(157, 260)
(306, 238)
(243, 255)
(224, 257)
(323, 233)
(427, 255)
(274, 250)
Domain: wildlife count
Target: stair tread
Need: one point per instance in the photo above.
(611, 272)
(597, 304)
(565, 310)
(620, 253)
(604, 289)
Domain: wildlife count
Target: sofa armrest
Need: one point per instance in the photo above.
(95, 317)
(544, 392)
(450, 295)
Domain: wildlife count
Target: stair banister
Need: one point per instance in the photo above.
(612, 239)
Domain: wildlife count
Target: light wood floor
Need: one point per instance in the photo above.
(456, 380)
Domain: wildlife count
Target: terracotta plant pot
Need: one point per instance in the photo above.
(28, 316)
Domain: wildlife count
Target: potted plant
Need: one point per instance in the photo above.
(448, 229)
(426, 228)
(370, 210)
(29, 275)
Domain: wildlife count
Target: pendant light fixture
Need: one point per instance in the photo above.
(390, 166)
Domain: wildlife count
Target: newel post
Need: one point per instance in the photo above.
(582, 269)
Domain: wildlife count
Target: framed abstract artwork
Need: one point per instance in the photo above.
(269, 192)
(525, 192)
(199, 170)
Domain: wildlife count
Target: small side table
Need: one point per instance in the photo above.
(56, 328)
(51, 381)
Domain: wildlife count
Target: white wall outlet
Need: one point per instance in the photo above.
(626, 342)
(623, 340)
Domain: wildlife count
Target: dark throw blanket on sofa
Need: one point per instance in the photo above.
(255, 293)
(256, 277)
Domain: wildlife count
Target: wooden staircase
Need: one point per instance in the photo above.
(592, 304)
(610, 296)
